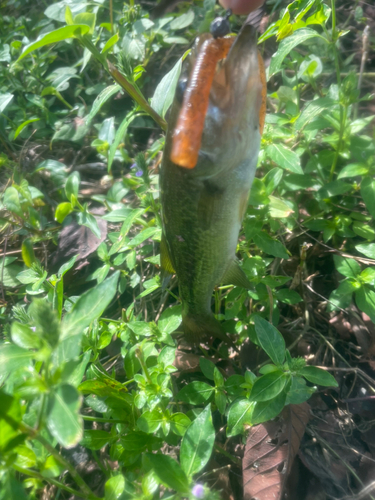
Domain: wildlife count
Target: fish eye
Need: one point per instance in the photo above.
(181, 87)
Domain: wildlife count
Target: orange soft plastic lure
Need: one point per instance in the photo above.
(189, 128)
(187, 137)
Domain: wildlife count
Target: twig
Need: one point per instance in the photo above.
(365, 47)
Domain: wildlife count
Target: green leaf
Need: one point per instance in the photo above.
(298, 392)
(195, 393)
(114, 487)
(179, 423)
(88, 220)
(317, 376)
(270, 340)
(120, 136)
(12, 489)
(266, 410)
(23, 125)
(164, 92)
(63, 419)
(27, 252)
(268, 386)
(364, 230)
(284, 158)
(88, 307)
(279, 209)
(110, 43)
(51, 467)
(207, 367)
(368, 275)
(312, 110)
(197, 443)
(182, 20)
(150, 421)
(5, 99)
(368, 194)
(102, 99)
(169, 472)
(12, 358)
(353, 170)
(287, 45)
(23, 336)
(170, 319)
(239, 415)
(54, 37)
(95, 439)
(269, 245)
(12, 201)
(288, 296)
(347, 267)
(367, 249)
(87, 18)
(365, 300)
(72, 185)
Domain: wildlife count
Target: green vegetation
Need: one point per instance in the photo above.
(88, 353)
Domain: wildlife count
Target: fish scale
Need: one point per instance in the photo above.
(202, 207)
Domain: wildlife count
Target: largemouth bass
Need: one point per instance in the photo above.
(203, 207)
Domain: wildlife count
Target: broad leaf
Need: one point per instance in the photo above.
(270, 340)
(197, 443)
(284, 158)
(268, 386)
(63, 419)
(318, 376)
(169, 472)
(89, 307)
(195, 393)
(239, 415)
(55, 36)
(164, 92)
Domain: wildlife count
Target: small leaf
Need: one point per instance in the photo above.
(317, 376)
(270, 340)
(365, 300)
(347, 267)
(287, 45)
(169, 472)
(284, 158)
(110, 43)
(195, 393)
(240, 414)
(150, 421)
(353, 170)
(197, 443)
(114, 487)
(170, 319)
(367, 249)
(5, 99)
(95, 439)
(28, 255)
(269, 245)
(63, 420)
(368, 194)
(12, 358)
(164, 92)
(265, 410)
(207, 367)
(88, 308)
(23, 125)
(268, 386)
(72, 185)
(102, 99)
(182, 20)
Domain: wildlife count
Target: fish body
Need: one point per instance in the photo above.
(203, 207)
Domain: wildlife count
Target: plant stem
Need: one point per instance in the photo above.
(100, 419)
(36, 475)
(338, 77)
(32, 433)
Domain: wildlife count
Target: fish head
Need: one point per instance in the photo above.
(231, 133)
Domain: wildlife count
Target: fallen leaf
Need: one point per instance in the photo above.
(270, 451)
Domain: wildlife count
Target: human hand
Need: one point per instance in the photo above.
(241, 6)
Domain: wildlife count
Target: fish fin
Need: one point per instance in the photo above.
(234, 275)
(165, 263)
(165, 260)
(199, 326)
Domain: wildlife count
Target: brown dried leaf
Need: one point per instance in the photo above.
(270, 451)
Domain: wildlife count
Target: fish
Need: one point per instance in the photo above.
(203, 204)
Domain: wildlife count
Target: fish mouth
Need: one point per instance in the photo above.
(217, 124)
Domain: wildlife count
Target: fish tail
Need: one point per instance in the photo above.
(197, 327)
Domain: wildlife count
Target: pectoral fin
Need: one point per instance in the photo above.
(234, 275)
